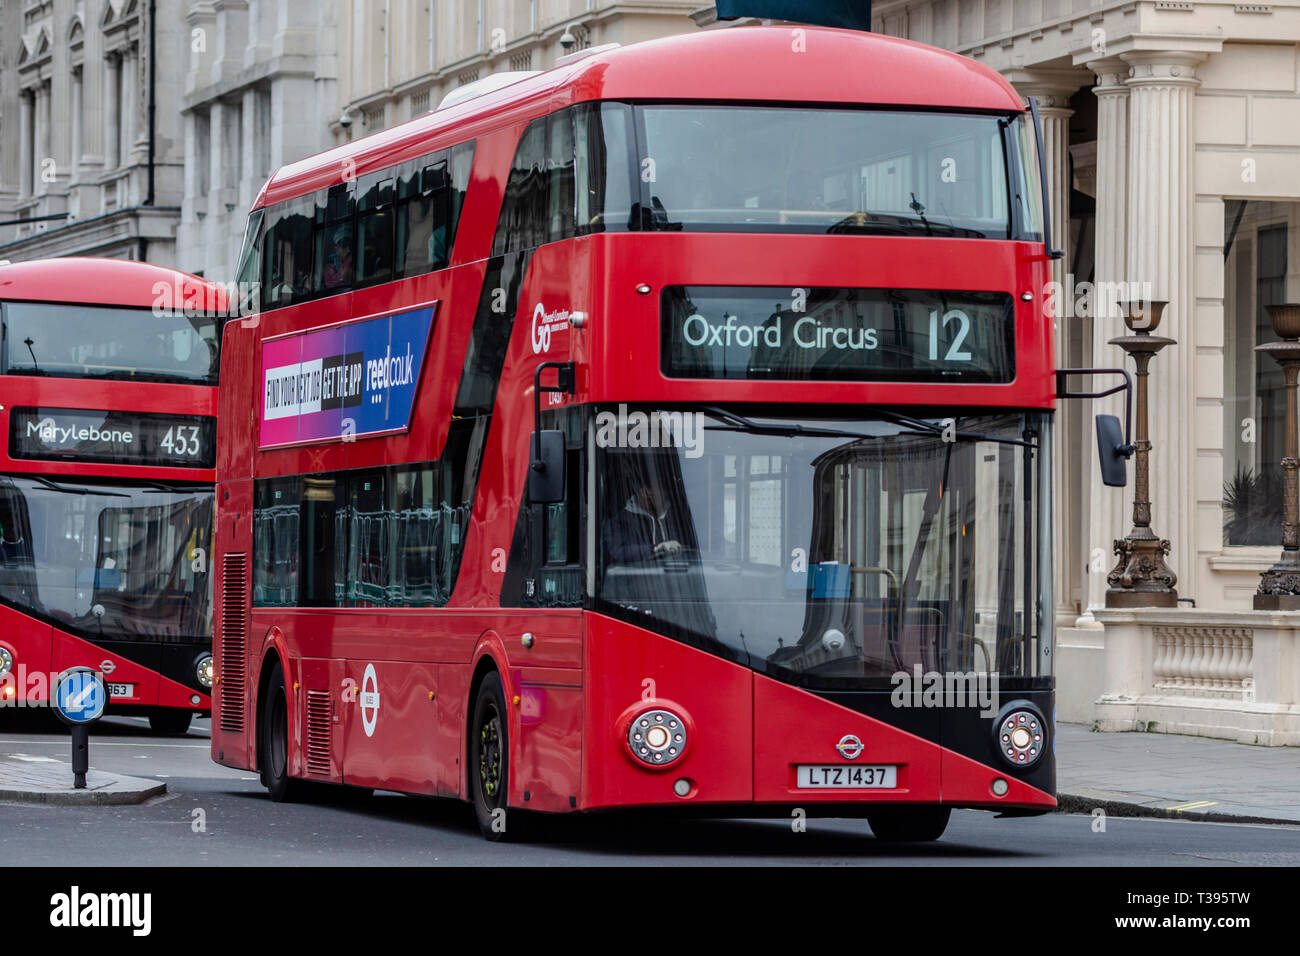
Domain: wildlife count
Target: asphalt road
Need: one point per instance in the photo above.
(213, 815)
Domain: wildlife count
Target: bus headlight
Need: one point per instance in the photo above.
(203, 670)
(657, 738)
(6, 661)
(1021, 734)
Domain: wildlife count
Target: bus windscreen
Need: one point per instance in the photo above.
(107, 561)
(83, 341)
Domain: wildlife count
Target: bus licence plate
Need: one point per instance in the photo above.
(846, 777)
(121, 690)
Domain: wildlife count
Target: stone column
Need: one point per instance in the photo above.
(112, 112)
(74, 134)
(214, 226)
(130, 64)
(40, 136)
(1106, 509)
(27, 145)
(93, 100)
(248, 178)
(1161, 250)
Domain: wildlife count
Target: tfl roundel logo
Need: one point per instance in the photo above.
(849, 747)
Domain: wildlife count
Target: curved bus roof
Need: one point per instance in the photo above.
(86, 280)
(746, 64)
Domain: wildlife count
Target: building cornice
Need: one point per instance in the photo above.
(297, 66)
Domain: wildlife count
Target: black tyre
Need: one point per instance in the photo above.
(489, 763)
(170, 722)
(273, 742)
(908, 824)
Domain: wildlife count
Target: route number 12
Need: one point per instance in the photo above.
(955, 352)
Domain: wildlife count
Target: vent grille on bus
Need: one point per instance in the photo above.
(234, 638)
(320, 719)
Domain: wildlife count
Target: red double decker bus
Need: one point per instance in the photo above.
(108, 373)
(668, 429)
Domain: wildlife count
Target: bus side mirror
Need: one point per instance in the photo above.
(546, 473)
(1112, 451)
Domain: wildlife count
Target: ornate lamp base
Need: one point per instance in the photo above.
(1141, 578)
(1279, 586)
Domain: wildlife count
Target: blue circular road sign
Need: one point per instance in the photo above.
(80, 695)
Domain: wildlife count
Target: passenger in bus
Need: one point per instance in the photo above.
(292, 274)
(644, 530)
(338, 270)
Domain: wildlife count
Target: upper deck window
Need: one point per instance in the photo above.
(391, 224)
(723, 168)
(83, 341)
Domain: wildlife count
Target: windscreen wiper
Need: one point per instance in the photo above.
(916, 426)
(171, 487)
(736, 422)
(930, 428)
(69, 489)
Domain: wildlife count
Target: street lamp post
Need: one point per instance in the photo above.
(1279, 586)
(1140, 577)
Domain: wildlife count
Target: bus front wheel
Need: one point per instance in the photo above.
(908, 824)
(273, 741)
(170, 722)
(489, 763)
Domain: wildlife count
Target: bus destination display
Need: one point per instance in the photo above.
(899, 335)
(112, 437)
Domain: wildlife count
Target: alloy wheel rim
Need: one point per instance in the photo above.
(489, 755)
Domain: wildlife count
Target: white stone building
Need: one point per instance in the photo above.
(259, 88)
(406, 55)
(90, 150)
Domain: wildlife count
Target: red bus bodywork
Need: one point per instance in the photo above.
(573, 678)
(42, 646)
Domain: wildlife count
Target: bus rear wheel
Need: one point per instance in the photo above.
(489, 763)
(908, 824)
(273, 741)
(170, 722)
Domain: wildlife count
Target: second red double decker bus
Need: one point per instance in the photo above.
(669, 429)
(108, 373)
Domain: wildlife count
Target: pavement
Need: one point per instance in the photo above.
(33, 778)
(1122, 774)
(1169, 775)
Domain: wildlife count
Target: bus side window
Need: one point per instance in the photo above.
(522, 224)
(276, 542)
(423, 218)
(560, 204)
(368, 536)
(287, 253)
(602, 165)
(375, 230)
(333, 239)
